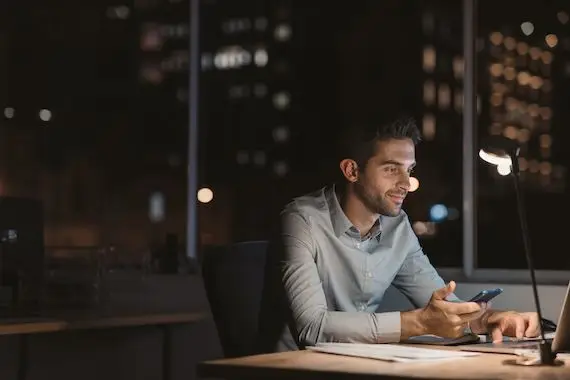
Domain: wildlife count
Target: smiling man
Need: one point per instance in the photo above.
(341, 247)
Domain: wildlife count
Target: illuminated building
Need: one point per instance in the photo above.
(162, 72)
(523, 76)
(247, 94)
(518, 71)
(524, 67)
(435, 208)
(442, 65)
(247, 89)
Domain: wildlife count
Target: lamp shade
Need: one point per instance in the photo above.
(495, 159)
(499, 151)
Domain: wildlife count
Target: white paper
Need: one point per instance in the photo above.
(390, 352)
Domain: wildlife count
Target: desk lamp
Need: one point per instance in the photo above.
(503, 153)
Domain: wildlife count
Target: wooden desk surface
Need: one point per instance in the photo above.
(316, 365)
(15, 326)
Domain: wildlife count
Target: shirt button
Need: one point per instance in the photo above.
(369, 275)
(362, 306)
(357, 245)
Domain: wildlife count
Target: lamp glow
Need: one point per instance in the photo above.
(495, 159)
(414, 184)
(504, 169)
(205, 195)
(438, 213)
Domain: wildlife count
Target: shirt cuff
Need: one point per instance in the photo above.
(388, 327)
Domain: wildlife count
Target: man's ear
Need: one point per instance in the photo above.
(349, 169)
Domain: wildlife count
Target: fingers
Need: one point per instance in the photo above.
(532, 329)
(442, 293)
(458, 331)
(458, 307)
(507, 325)
(520, 326)
(497, 334)
(463, 319)
(453, 331)
(484, 305)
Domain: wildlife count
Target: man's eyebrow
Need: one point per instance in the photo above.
(392, 162)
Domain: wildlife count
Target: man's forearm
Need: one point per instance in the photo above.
(411, 324)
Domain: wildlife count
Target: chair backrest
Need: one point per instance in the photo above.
(234, 279)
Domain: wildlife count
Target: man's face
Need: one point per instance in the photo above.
(384, 183)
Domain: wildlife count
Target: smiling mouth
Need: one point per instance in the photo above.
(397, 198)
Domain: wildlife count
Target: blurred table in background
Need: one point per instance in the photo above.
(85, 321)
(150, 326)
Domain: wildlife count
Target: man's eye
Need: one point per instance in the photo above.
(391, 169)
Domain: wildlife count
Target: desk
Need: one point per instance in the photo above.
(70, 321)
(87, 321)
(316, 365)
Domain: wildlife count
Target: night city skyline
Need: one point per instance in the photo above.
(96, 113)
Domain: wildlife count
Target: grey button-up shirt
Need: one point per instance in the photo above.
(334, 280)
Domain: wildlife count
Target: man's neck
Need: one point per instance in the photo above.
(356, 211)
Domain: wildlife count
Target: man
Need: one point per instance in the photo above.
(342, 246)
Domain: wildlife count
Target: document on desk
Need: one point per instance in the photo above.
(390, 352)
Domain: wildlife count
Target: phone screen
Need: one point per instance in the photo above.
(486, 295)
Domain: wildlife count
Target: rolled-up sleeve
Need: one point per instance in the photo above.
(313, 322)
(417, 279)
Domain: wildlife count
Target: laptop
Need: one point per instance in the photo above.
(560, 342)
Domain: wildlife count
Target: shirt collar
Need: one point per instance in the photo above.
(376, 230)
(340, 222)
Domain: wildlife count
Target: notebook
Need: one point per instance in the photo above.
(390, 352)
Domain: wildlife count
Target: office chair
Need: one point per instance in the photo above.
(234, 278)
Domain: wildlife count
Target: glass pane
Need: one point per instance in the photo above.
(271, 125)
(92, 123)
(524, 76)
(435, 207)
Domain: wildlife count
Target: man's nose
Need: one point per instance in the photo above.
(405, 182)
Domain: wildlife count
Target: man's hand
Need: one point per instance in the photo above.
(449, 319)
(510, 323)
(441, 317)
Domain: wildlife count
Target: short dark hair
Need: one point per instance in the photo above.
(359, 142)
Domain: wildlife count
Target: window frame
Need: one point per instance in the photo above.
(470, 272)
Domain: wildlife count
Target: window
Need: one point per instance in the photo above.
(525, 89)
(522, 55)
(76, 133)
(435, 209)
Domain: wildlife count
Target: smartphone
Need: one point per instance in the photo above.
(486, 295)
